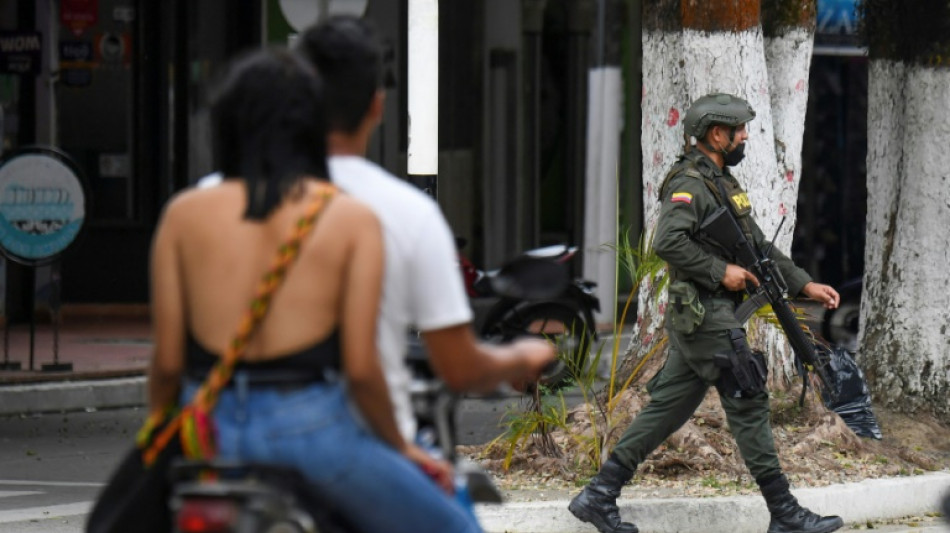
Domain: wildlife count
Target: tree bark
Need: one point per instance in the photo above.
(789, 30)
(904, 319)
(663, 102)
(694, 47)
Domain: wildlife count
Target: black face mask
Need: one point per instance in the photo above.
(734, 157)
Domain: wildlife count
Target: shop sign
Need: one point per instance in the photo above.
(75, 53)
(837, 24)
(113, 48)
(21, 52)
(75, 62)
(837, 17)
(77, 15)
(42, 205)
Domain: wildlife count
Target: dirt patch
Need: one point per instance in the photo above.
(815, 446)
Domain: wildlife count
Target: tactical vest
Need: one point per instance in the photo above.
(736, 199)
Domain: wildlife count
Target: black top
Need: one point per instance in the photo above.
(308, 363)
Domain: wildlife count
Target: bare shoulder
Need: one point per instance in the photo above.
(349, 210)
(193, 202)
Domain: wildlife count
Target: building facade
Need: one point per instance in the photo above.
(120, 86)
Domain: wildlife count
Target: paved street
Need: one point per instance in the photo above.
(53, 465)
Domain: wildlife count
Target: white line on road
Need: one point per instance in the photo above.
(49, 483)
(15, 493)
(43, 513)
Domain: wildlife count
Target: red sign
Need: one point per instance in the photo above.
(78, 15)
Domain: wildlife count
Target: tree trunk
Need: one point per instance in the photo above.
(904, 319)
(694, 47)
(789, 32)
(663, 102)
(789, 29)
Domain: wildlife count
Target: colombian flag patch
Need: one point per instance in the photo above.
(684, 197)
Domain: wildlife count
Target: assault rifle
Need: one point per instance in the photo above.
(722, 228)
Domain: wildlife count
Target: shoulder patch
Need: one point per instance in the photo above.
(683, 197)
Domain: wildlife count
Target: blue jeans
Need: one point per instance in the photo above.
(311, 428)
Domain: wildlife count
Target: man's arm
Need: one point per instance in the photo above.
(468, 365)
(683, 205)
(441, 311)
(797, 279)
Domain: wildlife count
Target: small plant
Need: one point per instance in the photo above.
(536, 422)
(545, 415)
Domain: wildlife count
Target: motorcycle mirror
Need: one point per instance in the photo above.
(531, 278)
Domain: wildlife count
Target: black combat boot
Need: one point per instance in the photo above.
(597, 503)
(790, 517)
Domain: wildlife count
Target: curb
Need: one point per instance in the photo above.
(72, 396)
(868, 500)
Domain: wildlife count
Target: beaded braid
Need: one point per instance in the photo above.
(197, 433)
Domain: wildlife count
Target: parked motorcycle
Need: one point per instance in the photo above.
(566, 317)
(840, 326)
(233, 497)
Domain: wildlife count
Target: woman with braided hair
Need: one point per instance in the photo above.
(312, 352)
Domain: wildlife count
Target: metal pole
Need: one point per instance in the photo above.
(7, 364)
(533, 24)
(423, 88)
(55, 316)
(32, 310)
(581, 19)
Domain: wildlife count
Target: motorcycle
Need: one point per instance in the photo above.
(840, 326)
(566, 317)
(233, 497)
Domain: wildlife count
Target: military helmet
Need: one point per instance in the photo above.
(716, 108)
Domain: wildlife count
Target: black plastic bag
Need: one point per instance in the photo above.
(851, 398)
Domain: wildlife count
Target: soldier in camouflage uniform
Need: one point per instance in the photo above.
(705, 287)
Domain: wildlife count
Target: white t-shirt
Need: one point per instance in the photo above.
(422, 283)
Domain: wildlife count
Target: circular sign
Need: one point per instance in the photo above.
(42, 204)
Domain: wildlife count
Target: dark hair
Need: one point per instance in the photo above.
(348, 56)
(268, 125)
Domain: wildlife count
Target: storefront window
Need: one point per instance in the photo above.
(93, 100)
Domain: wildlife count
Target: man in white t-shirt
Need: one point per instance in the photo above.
(422, 284)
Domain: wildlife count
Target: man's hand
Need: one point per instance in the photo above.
(822, 293)
(440, 471)
(536, 354)
(736, 277)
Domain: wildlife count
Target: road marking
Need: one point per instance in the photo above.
(43, 513)
(49, 483)
(15, 493)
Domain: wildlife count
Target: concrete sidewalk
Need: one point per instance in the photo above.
(858, 504)
(108, 355)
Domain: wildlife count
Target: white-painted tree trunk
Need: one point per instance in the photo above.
(788, 58)
(746, 75)
(663, 103)
(905, 312)
(736, 63)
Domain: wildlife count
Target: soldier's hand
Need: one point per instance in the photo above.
(822, 293)
(736, 278)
